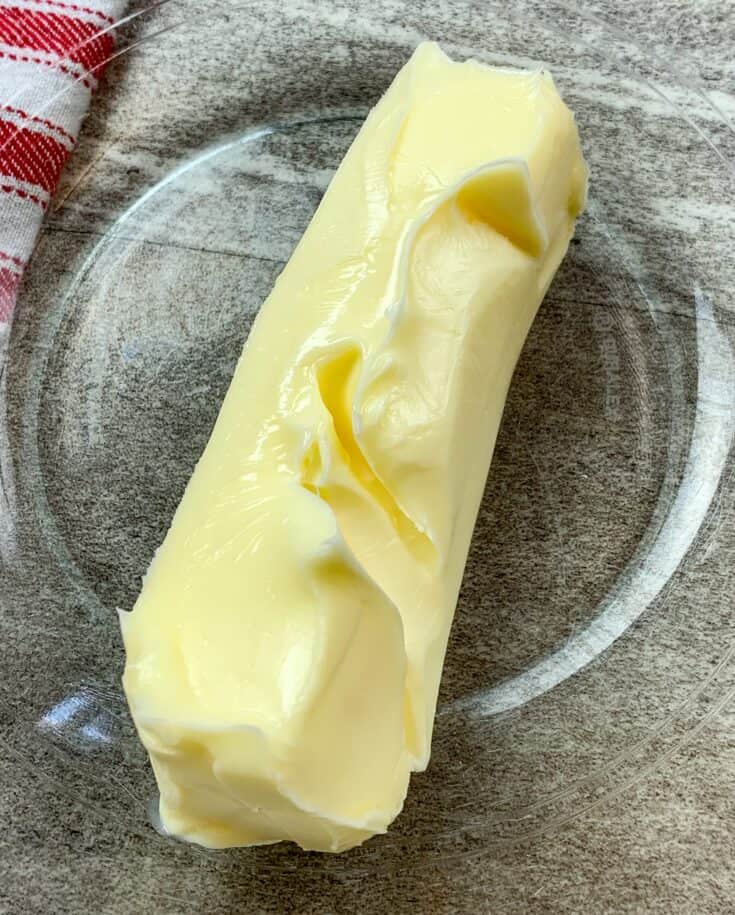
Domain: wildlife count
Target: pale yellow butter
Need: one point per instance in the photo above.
(284, 656)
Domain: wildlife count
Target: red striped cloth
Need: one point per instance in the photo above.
(52, 53)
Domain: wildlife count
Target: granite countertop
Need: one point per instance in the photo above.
(618, 430)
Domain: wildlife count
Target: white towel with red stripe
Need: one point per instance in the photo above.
(52, 53)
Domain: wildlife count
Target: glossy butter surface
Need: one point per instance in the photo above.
(284, 656)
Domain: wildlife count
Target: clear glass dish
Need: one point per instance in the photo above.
(593, 638)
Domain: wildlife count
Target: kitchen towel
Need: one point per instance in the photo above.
(52, 53)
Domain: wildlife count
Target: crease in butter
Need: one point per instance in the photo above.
(285, 653)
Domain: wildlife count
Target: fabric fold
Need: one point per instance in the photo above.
(52, 54)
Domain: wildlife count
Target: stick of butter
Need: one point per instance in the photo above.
(284, 656)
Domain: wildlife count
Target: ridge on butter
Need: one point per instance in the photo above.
(284, 656)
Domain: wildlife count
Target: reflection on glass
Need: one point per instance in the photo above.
(81, 720)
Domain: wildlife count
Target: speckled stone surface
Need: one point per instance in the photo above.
(608, 515)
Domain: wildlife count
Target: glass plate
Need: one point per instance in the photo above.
(593, 636)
